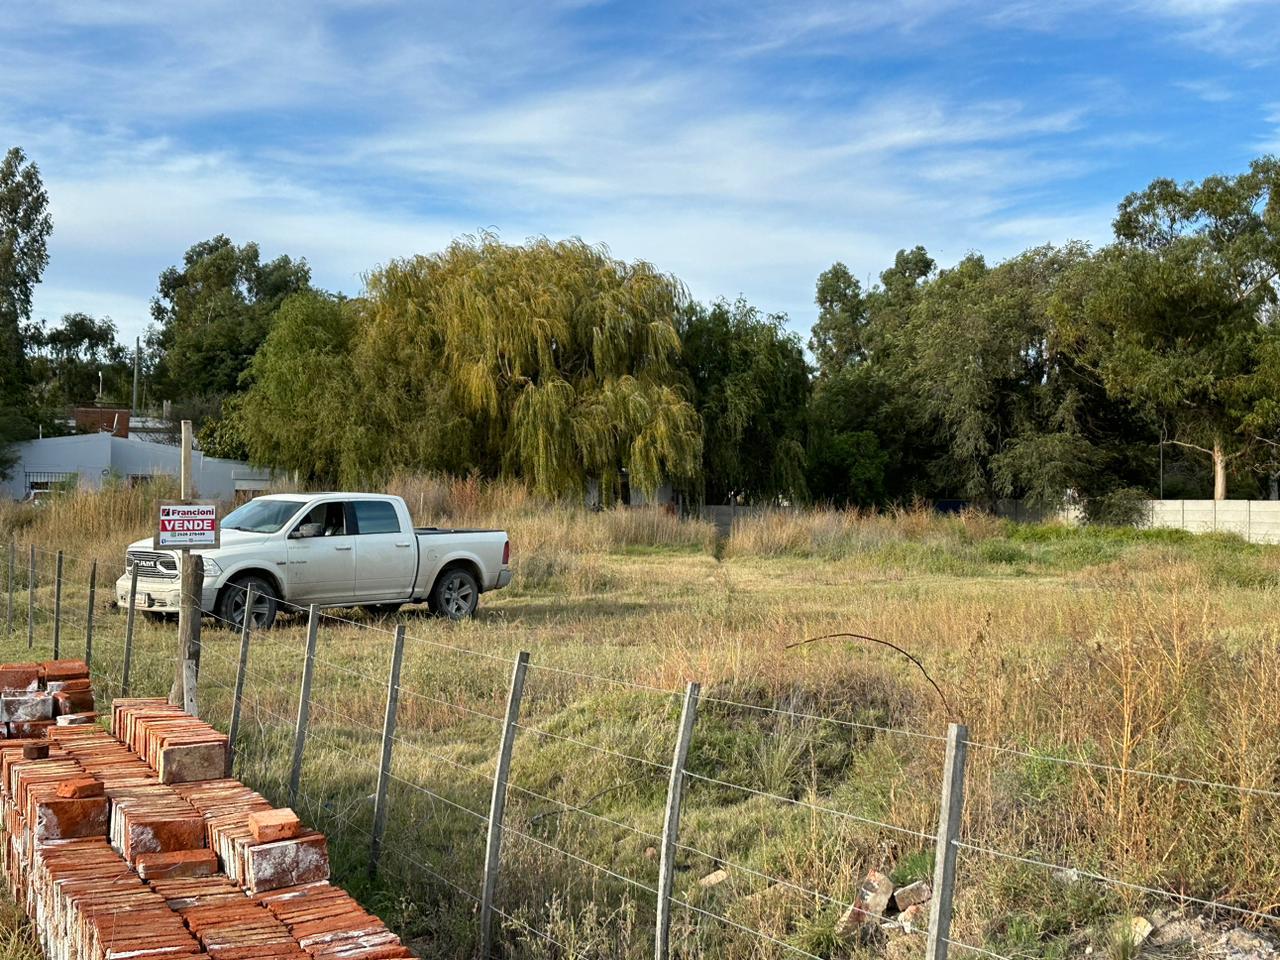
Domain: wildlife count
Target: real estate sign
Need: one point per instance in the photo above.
(186, 524)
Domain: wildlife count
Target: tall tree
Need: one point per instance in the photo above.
(1181, 317)
(25, 226)
(305, 364)
(869, 440)
(751, 386)
(838, 338)
(213, 313)
(549, 361)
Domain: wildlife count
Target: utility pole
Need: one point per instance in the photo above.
(137, 351)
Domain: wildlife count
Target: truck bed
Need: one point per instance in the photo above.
(428, 531)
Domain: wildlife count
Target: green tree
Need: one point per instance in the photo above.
(67, 359)
(751, 387)
(547, 361)
(213, 313)
(25, 226)
(869, 441)
(838, 338)
(1179, 314)
(300, 410)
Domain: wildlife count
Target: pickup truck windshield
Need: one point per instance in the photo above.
(260, 516)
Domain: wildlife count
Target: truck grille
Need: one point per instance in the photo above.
(151, 564)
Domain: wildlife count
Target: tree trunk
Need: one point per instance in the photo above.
(1274, 492)
(1219, 470)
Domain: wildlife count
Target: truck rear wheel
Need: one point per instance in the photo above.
(232, 599)
(455, 595)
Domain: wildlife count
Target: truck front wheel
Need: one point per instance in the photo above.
(455, 595)
(231, 602)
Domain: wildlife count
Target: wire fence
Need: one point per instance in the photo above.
(446, 783)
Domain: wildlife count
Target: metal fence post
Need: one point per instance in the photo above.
(88, 616)
(128, 631)
(57, 607)
(31, 598)
(388, 738)
(944, 862)
(246, 627)
(498, 804)
(13, 580)
(304, 704)
(671, 823)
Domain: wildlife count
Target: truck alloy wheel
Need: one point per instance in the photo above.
(456, 594)
(232, 604)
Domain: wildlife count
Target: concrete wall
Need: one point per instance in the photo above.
(1258, 521)
(94, 457)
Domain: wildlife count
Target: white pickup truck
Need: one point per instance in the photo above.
(331, 549)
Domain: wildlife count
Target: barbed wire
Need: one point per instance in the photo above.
(745, 929)
(631, 881)
(795, 715)
(591, 746)
(616, 681)
(1116, 881)
(1134, 771)
(575, 809)
(813, 806)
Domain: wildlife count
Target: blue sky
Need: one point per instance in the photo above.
(742, 147)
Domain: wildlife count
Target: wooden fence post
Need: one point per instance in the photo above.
(671, 823)
(304, 705)
(31, 598)
(388, 738)
(237, 699)
(88, 616)
(498, 805)
(13, 580)
(184, 684)
(57, 607)
(944, 861)
(128, 632)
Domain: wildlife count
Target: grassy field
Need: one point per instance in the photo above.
(1144, 650)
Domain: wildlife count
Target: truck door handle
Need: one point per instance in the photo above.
(342, 548)
(404, 544)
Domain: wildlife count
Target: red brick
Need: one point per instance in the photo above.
(66, 670)
(20, 676)
(286, 863)
(269, 825)
(177, 863)
(78, 788)
(70, 819)
(72, 701)
(29, 729)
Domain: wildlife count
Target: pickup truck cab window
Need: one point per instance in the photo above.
(322, 520)
(260, 516)
(376, 516)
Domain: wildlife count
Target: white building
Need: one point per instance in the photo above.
(89, 459)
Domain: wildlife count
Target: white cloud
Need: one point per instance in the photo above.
(281, 124)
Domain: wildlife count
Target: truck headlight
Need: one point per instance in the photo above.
(211, 568)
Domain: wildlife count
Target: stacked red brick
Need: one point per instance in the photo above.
(106, 847)
(36, 696)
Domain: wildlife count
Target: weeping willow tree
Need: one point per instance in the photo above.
(550, 361)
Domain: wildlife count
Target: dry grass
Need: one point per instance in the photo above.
(1131, 649)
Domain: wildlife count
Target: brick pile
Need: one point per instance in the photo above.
(36, 696)
(133, 844)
